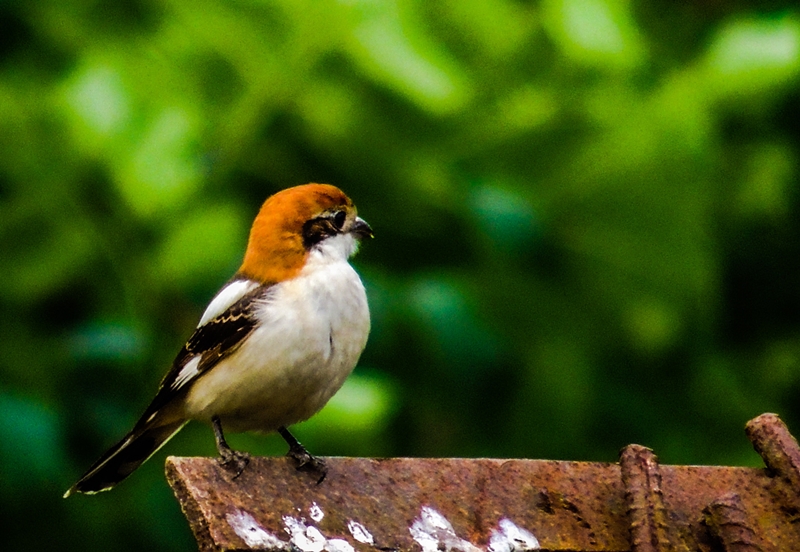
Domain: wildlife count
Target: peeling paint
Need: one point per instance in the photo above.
(316, 512)
(251, 532)
(431, 530)
(309, 539)
(359, 532)
(509, 538)
(338, 545)
(434, 533)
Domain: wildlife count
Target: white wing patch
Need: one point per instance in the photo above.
(226, 297)
(187, 373)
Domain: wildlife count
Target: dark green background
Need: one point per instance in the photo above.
(586, 215)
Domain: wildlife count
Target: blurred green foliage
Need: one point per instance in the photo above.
(587, 219)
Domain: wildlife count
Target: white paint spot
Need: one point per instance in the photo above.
(251, 532)
(434, 533)
(307, 539)
(310, 539)
(510, 538)
(360, 532)
(316, 512)
(338, 545)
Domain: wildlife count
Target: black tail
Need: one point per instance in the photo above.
(124, 457)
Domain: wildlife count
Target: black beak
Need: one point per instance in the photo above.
(362, 229)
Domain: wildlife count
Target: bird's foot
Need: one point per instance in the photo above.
(230, 460)
(233, 461)
(306, 462)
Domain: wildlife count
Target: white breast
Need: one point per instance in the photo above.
(312, 332)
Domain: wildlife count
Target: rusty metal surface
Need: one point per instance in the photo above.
(781, 454)
(730, 526)
(567, 506)
(495, 505)
(387, 497)
(650, 526)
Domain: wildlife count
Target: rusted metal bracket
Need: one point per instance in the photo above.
(500, 505)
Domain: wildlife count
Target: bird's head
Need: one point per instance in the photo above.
(296, 223)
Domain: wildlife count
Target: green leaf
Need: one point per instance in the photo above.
(753, 56)
(598, 33)
(202, 247)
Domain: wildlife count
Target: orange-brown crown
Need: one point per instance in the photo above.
(275, 250)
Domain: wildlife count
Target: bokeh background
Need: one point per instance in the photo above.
(586, 215)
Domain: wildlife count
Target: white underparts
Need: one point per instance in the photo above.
(287, 368)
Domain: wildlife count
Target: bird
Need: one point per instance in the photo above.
(273, 345)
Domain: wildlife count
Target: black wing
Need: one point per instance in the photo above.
(210, 343)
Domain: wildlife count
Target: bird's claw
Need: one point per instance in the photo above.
(233, 461)
(305, 462)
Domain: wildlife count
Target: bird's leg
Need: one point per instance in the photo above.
(232, 460)
(303, 460)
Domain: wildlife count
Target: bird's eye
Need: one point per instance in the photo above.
(338, 219)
